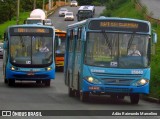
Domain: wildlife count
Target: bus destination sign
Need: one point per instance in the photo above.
(31, 30)
(119, 25)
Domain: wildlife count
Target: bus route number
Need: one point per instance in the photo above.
(137, 71)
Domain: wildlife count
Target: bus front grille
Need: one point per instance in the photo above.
(125, 82)
(31, 76)
(122, 90)
(117, 79)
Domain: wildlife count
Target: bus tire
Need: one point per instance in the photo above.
(5, 81)
(134, 98)
(84, 96)
(47, 82)
(120, 96)
(11, 82)
(71, 92)
(38, 81)
(77, 92)
(113, 96)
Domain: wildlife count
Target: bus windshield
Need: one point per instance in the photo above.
(84, 12)
(119, 50)
(61, 48)
(31, 50)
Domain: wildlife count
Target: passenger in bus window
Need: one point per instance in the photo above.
(43, 48)
(133, 51)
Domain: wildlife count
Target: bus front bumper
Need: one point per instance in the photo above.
(107, 89)
(17, 75)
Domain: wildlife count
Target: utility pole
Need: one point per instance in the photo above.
(18, 3)
(59, 3)
(34, 4)
(43, 4)
(49, 4)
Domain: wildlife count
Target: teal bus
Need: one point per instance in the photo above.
(99, 60)
(24, 56)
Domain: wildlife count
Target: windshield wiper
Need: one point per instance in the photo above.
(107, 41)
(22, 41)
(131, 40)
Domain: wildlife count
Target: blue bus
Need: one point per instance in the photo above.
(29, 54)
(99, 58)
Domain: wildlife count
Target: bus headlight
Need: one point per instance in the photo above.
(93, 80)
(140, 82)
(12, 68)
(49, 68)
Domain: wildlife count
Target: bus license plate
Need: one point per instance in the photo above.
(30, 73)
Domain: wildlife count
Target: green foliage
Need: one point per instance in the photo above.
(155, 77)
(3, 26)
(85, 2)
(144, 10)
(91, 2)
(114, 4)
(107, 13)
(121, 8)
(96, 3)
(127, 10)
(8, 8)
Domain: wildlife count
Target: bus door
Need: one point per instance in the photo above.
(71, 56)
(77, 58)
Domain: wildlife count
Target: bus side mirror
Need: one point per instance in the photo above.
(5, 45)
(154, 38)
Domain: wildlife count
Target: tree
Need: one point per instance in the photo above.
(85, 2)
(7, 10)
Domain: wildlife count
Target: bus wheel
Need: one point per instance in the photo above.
(134, 98)
(5, 80)
(84, 96)
(47, 82)
(71, 92)
(121, 96)
(113, 96)
(38, 81)
(11, 82)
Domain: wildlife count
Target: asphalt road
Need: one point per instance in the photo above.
(59, 23)
(31, 96)
(153, 6)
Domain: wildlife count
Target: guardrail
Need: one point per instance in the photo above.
(149, 17)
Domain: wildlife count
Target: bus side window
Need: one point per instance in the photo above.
(71, 41)
(79, 40)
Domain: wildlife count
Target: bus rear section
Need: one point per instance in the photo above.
(101, 58)
(29, 54)
(60, 49)
(85, 12)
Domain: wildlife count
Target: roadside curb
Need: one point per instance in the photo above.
(150, 99)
